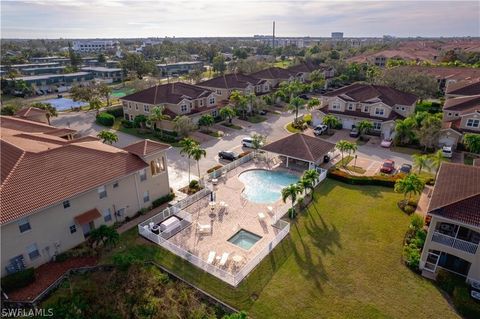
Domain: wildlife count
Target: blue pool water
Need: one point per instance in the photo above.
(244, 239)
(63, 104)
(264, 187)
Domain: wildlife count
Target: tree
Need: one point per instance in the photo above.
(240, 102)
(183, 125)
(420, 162)
(313, 176)
(294, 105)
(219, 64)
(312, 103)
(75, 59)
(104, 236)
(258, 140)
(206, 120)
(404, 131)
(291, 192)
(95, 104)
(156, 117)
(472, 142)
(136, 63)
(197, 153)
(107, 137)
(330, 121)
(316, 76)
(343, 146)
(410, 184)
(101, 58)
(227, 112)
(429, 130)
(363, 127)
(436, 159)
(104, 90)
(186, 146)
(51, 110)
(422, 85)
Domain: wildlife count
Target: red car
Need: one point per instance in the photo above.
(388, 167)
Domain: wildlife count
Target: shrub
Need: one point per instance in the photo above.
(138, 120)
(105, 119)
(123, 261)
(217, 119)
(464, 303)
(308, 118)
(417, 222)
(448, 281)
(61, 257)
(244, 154)
(379, 180)
(115, 111)
(162, 200)
(18, 280)
(127, 124)
(168, 138)
(193, 184)
(411, 253)
(214, 168)
(408, 209)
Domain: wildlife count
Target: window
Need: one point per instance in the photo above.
(403, 108)
(102, 192)
(129, 105)
(157, 166)
(379, 111)
(136, 106)
(473, 123)
(115, 185)
(219, 92)
(377, 126)
(146, 108)
(146, 196)
(66, 204)
(33, 252)
(127, 117)
(365, 108)
(212, 100)
(73, 229)
(449, 113)
(201, 102)
(107, 215)
(124, 103)
(24, 225)
(143, 175)
(335, 106)
(183, 108)
(131, 117)
(350, 106)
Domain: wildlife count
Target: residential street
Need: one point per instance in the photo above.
(273, 128)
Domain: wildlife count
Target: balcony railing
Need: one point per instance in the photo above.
(456, 243)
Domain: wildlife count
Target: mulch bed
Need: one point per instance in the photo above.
(46, 274)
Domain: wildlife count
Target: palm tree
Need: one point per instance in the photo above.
(364, 126)
(436, 160)
(157, 116)
(197, 153)
(95, 104)
(291, 191)
(312, 103)
(343, 146)
(410, 184)
(186, 146)
(206, 120)
(404, 133)
(313, 177)
(330, 121)
(227, 112)
(104, 235)
(472, 142)
(51, 110)
(420, 162)
(306, 184)
(294, 105)
(108, 137)
(183, 125)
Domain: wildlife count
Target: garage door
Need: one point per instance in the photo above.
(447, 141)
(347, 123)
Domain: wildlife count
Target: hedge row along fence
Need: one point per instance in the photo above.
(388, 181)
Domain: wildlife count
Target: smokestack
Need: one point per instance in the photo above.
(273, 38)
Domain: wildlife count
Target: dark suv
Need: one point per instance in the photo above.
(227, 155)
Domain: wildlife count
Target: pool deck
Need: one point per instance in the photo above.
(241, 214)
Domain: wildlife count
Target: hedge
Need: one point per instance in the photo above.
(244, 154)
(214, 168)
(162, 200)
(115, 111)
(127, 123)
(18, 280)
(456, 287)
(105, 119)
(388, 181)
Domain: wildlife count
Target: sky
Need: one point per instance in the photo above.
(210, 18)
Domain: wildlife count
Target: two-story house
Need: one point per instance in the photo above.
(454, 228)
(54, 191)
(178, 99)
(274, 76)
(461, 112)
(303, 70)
(381, 105)
(224, 85)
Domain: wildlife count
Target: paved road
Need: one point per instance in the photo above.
(273, 128)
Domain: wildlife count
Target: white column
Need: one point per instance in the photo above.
(287, 161)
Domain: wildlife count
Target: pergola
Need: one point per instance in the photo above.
(300, 147)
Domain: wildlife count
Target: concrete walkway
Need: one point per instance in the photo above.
(134, 222)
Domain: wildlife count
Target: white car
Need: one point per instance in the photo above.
(320, 129)
(447, 151)
(386, 143)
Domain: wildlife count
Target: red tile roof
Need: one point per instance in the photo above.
(146, 147)
(464, 88)
(446, 73)
(30, 111)
(172, 93)
(231, 81)
(87, 217)
(273, 73)
(464, 104)
(393, 115)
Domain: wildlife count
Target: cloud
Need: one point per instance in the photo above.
(143, 18)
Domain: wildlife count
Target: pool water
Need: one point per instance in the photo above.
(122, 92)
(244, 239)
(63, 104)
(265, 187)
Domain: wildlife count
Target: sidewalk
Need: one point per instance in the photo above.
(424, 200)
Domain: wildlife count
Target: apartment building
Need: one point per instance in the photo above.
(274, 76)
(55, 189)
(224, 85)
(379, 104)
(104, 74)
(94, 45)
(179, 67)
(56, 82)
(303, 70)
(454, 227)
(177, 98)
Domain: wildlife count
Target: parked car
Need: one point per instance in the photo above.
(406, 168)
(247, 142)
(354, 132)
(320, 129)
(388, 167)
(386, 143)
(447, 151)
(228, 155)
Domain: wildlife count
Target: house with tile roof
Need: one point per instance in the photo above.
(33, 114)
(274, 76)
(379, 104)
(223, 85)
(178, 99)
(303, 70)
(56, 188)
(454, 228)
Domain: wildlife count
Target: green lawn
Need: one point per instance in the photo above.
(145, 135)
(292, 129)
(342, 259)
(256, 119)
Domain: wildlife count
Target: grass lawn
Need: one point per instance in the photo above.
(342, 259)
(345, 161)
(233, 126)
(469, 158)
(292, 129)
(256, 119)
(356, 169)
(149, 135)
(283, 64)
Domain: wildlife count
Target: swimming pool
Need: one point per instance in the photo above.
(264, 187)
(122, 92)
(63, 104)
(244, 239)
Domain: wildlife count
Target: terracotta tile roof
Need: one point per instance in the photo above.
(273, 73)
(457, 193)
(172, 93)
(393, 115)
(464, 104)
(30, 111)
(87, 217)
(231, 81)
(305, 67)
(476, 162)
(464, 88)
(301, 146)
(369, 93)
(146, 147)
(446, 73)
(39, 170)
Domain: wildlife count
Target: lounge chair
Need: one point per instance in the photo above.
(211, 257)
(204, 228)
(224, 259)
